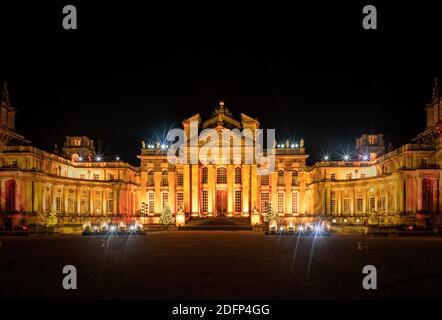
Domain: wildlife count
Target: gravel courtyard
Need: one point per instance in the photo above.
(220, 265)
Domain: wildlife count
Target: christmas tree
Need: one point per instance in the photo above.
(271, 215)
(52, 219)
(166, 216)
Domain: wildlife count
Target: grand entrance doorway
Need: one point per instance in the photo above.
(221, 202)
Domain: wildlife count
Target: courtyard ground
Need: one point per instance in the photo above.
(220, 265)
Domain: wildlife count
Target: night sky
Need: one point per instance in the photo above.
(131, 72)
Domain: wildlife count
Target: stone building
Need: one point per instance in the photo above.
(377, 186)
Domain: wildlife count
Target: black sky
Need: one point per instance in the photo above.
(130, 72)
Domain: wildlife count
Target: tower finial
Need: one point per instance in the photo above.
(5, 93)
(221, 106)
(436, 89)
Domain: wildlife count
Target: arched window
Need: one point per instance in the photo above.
(280, 178)
(150, 179)
(295, 180)
(164, 179)
(205, 175)
(221, 175)
(265, 180)
(238, 175)
(179, 179)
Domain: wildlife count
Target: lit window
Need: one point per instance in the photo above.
(359, 204)
(221, 175)
(180, 179)
(280, 178)
(151, 202)
(58, 204)
(372, 204)
(96, 176)
(295, 178)
(110, 205)
(238, 175)
(164, 179)
(384, 203)
(71, 204)
(238, 201)
(332, 202)
(280, 202)
(346, 205)
(265, 198)
(165, 199)
(84, 205)
(98, 205)
(265, 180)
(180, 200)
(150, 179)
(205, 175)
(205, 200)
(295, 202)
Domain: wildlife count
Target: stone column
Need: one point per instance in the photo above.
(211, 189)
(230, 192)
(157, 180)
(288, 191)
(246, 183)
(195, 189)
(172, 195)
(254, 187)
(186, 188)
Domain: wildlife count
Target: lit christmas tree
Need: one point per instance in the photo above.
(271, 215)
(166, 216)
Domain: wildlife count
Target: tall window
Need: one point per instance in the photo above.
(280, 178)
(348, 176)
(10, 195)
(164, 179)
(164, 199)
(383, 203)
(58, 204)
(70, 204)
(97, 205)
(346, 205)
(237, 175)
(280, 202)
(179, 179)
(332, 176)
(359, 204)
(238, 201)
(265, 180)
(205, 175)
(295, 178)
(426, 195)
(205, 200)
(84, 205)
(151, 202)
(180, 200)
(150, 179)
(111, 176)
(110, 202)
(221, 175)
(295, 202)
(265, 199)
(372, 204)
(333, 202)
(110, 205)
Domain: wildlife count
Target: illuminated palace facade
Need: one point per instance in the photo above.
(390, 187)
